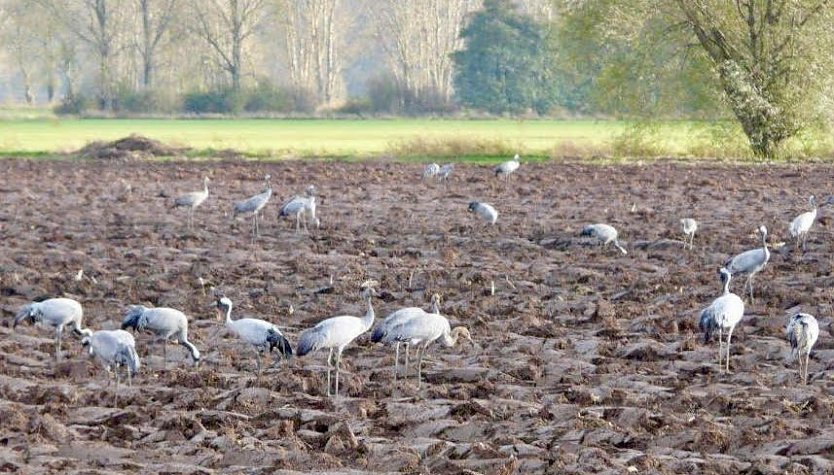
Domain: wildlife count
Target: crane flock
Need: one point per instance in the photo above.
(411, 326)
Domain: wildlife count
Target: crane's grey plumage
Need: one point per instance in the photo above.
(803, 331)
(193, 200)
(508, 168)
(750, 262)
(254, 204)
(114, 348)
(723, 314)
(302, 207)
(424, 330)
(484, 210)
(605, 234)
(446, 171)
(801, 225)
(336, 333)
(689, 226)
(57, 313)
(261, 334)
(397, 318)
(165, 323)
(431, 171)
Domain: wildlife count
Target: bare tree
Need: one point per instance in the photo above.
(156, 17)
(227, 25)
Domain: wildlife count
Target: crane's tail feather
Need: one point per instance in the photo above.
(308, 342)
(378, 334)
(127, 356)
(707, 325)
(277, 340)
(25, 313)
(133, 318)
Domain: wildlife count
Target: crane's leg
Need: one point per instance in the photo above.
(405, 370)
(329, 362)
(720, 347)
(396, 360)
(420, 365)
(164, 353)
(59, 333)
(807, 358)
(257, 359)
(729, 337)
(338, 360)
(297, 223)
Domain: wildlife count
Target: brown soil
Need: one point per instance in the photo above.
(586, 361)
(129, 148)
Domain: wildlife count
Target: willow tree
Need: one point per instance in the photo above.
(767, 60)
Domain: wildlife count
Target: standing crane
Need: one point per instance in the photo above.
(431, 171)
(398, 318)
(605, 234)
(192, 200)
(723, 314)
(484, 210)
(446, 171)
(300, 207)
(114, 348)
(801, 225)
(689, 226)
(424, 330)
(260, 334)
(336, 333)
(165, 323)
(57, 313)
(254, 204)
(508, 168)
(750, 262)
(803, 331)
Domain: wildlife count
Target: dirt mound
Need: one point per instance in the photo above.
(129, 148)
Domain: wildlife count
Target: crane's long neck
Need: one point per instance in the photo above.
(370, 315)
(205, 187)
(726, 279)
(764, 242)
(228, 311)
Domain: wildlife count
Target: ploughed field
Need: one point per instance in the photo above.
(586, 361)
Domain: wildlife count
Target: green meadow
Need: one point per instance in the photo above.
(452, 139)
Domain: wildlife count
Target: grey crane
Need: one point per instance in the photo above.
(508, 168)
(485, 210)
(166, 323)
(446, 171)
(114, 348)
(336, 333)
(689, 226)
(750, 262)
(431, 171)
(803, 331)
(57, 313)
(605, 234)
(723, 314)
(261, 334)
(192, 200)
(423, 330)
(801, 225)
(397, 318)
(254, 204)
(302, 207)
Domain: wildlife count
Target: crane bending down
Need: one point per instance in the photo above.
(258, 333)
(57, 313)
(423, 331)
(302, 207)
(254, 204)
(193, 200)
(336, 333)
(398, 318)
(165, 323)
(508, 168)
(750, 262)
(801, 225)
(114, 348)
(723, 314)
(605, 234)
(485, 211)
(803, 331)
(689, 226)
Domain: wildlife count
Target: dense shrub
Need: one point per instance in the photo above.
(73, 105)
(219, 101)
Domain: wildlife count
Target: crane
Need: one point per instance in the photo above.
(397, 318)
(689, 226)
(258, 333)
(801, 225)
(431, 171)
(723, 314)
(336, 333)
(114, 348)
(299, 206)
(803, 331)
(165, 323)
(605, 234)
(508, 168)
(484, 210)
(192, 200)
(424, 330)
(446, 171)
(254, 204)
(750, 262)
(57, 313)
